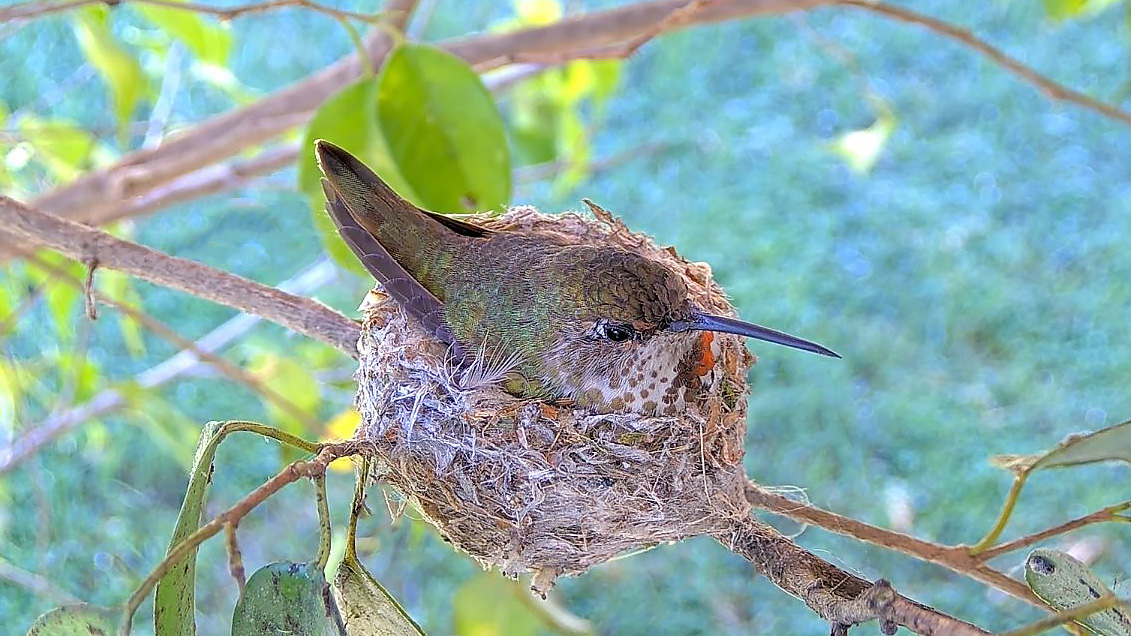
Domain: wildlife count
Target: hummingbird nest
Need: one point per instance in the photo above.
(523, 485)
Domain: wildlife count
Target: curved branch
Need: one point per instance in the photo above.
(22, 224)
(1052, 89)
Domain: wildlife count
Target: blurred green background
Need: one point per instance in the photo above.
(976, 281)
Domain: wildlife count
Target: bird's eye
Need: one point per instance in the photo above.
(618, 333)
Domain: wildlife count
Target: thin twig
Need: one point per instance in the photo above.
(37, 8)
(1111, 513)
(209, 180)
(292, 473)
(1051, 88)
(1003, 516)
(235, 556)
(680, 16)
(956, 558)
(325, 531)
(1069, 615)
(88, 289)
(101, 192)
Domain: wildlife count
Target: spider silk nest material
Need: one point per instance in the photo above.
(527, 486)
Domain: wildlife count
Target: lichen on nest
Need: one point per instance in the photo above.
(527, 486)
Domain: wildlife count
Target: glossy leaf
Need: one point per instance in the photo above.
(1107, 444)
(367, 608)
(175, 601)
(121, 71)
(1064, 583)
(347, 119)
(287, 598)
(443, 130)
(76, 620)
(209, 42)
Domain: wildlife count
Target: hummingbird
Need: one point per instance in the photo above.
(598, 326)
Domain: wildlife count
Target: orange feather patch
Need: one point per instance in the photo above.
(706, 360)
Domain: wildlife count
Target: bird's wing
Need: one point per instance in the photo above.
(460, 227)
(398, 283)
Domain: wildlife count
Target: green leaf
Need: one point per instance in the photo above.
(164, 424)
(534, 125)
(292, 380)
(80, 619)
(63, 300)
(1107, 444)
(1067, 9)
(861, 149)
(118, 68)
(287, 598)
(175, 600)
(488, 605)
(347, 119)
(606, 79)
(59, 145)
(5, 178)
(367, 608)
(1064, 583)
(443, 130)
(538, 12)
(118, 287)
(209, 42)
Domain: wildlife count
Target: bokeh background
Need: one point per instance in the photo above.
(977, 281)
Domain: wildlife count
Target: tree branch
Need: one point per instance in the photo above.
(36, 8)
(100, 194)
(1110, 513)
(835, 595)
(207, 180)
(956, 558)
(97, 194)
(22, 224)
(1050, 88)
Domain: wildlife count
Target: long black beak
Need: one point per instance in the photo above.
(705, 322)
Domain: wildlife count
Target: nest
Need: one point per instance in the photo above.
(528, 486)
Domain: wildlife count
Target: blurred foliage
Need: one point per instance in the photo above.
(970, 263)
